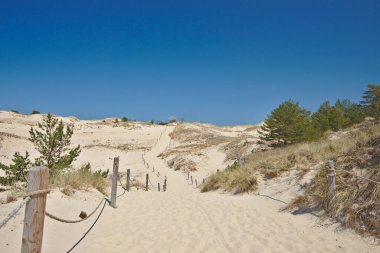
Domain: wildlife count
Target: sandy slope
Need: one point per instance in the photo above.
(181, 219)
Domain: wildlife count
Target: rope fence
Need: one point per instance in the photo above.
(74, 221)
(14, 212)
(35, 203)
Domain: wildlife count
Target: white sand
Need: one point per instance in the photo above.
(179, 220)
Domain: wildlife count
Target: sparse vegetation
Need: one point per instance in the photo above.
(35, 112)
(124, 119)
(356, 203)
(81, 179)
(53, 141)
(15, 111)
(357, 149)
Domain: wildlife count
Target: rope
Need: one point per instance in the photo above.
(14, 212)
(26, 198)
(31, 194)
(272, 198)
(76, 244)
(122, 193)
(72, 221)
(152, 184)
(121, 185)
(352, 173)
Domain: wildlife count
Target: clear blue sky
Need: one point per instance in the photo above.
(223, 62)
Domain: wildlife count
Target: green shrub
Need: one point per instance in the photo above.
(35, 112)
(52, 142)
(124, 119)
(17, 171)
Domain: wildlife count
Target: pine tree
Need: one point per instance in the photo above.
(342, 115)
(16, 171)
(288, 124)
(52, 142)
(321, 119)
(371, 101)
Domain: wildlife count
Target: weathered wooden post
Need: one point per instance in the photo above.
(158, 174)
(188, 175)
(34, 218)
(159, 187)
(146, 183)
(164, 187)
(115, 177)
(191, 179)
(196, 183)
(330, 182)
(128, 179)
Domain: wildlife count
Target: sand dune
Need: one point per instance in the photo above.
(179, 220)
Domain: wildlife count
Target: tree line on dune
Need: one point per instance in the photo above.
(290, 123)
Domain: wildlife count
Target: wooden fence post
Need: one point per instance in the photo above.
(34, 218)
(159, 187)
(196, 183)
(128, 179)
(330, 181)
(191, 179)
(158, 174)
(188, 175)
(164, 187)
(115, 177)
(146, 183)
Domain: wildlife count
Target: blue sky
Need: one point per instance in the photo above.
(223, 62)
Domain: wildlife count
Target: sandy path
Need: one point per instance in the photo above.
(184, 220)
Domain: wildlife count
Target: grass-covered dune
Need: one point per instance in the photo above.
(357, 155)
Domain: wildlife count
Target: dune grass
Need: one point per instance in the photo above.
(81, 179)
(357, 201)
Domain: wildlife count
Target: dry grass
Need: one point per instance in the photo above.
(235, 180)
(274, 162)
(182, 163)
(13, 194)
(357, 201)
(81, 179)
(137, 184)
(123, 147)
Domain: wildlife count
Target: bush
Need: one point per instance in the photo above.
(17, 171)
(124, 119)
(15, 111)
(35, 112)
